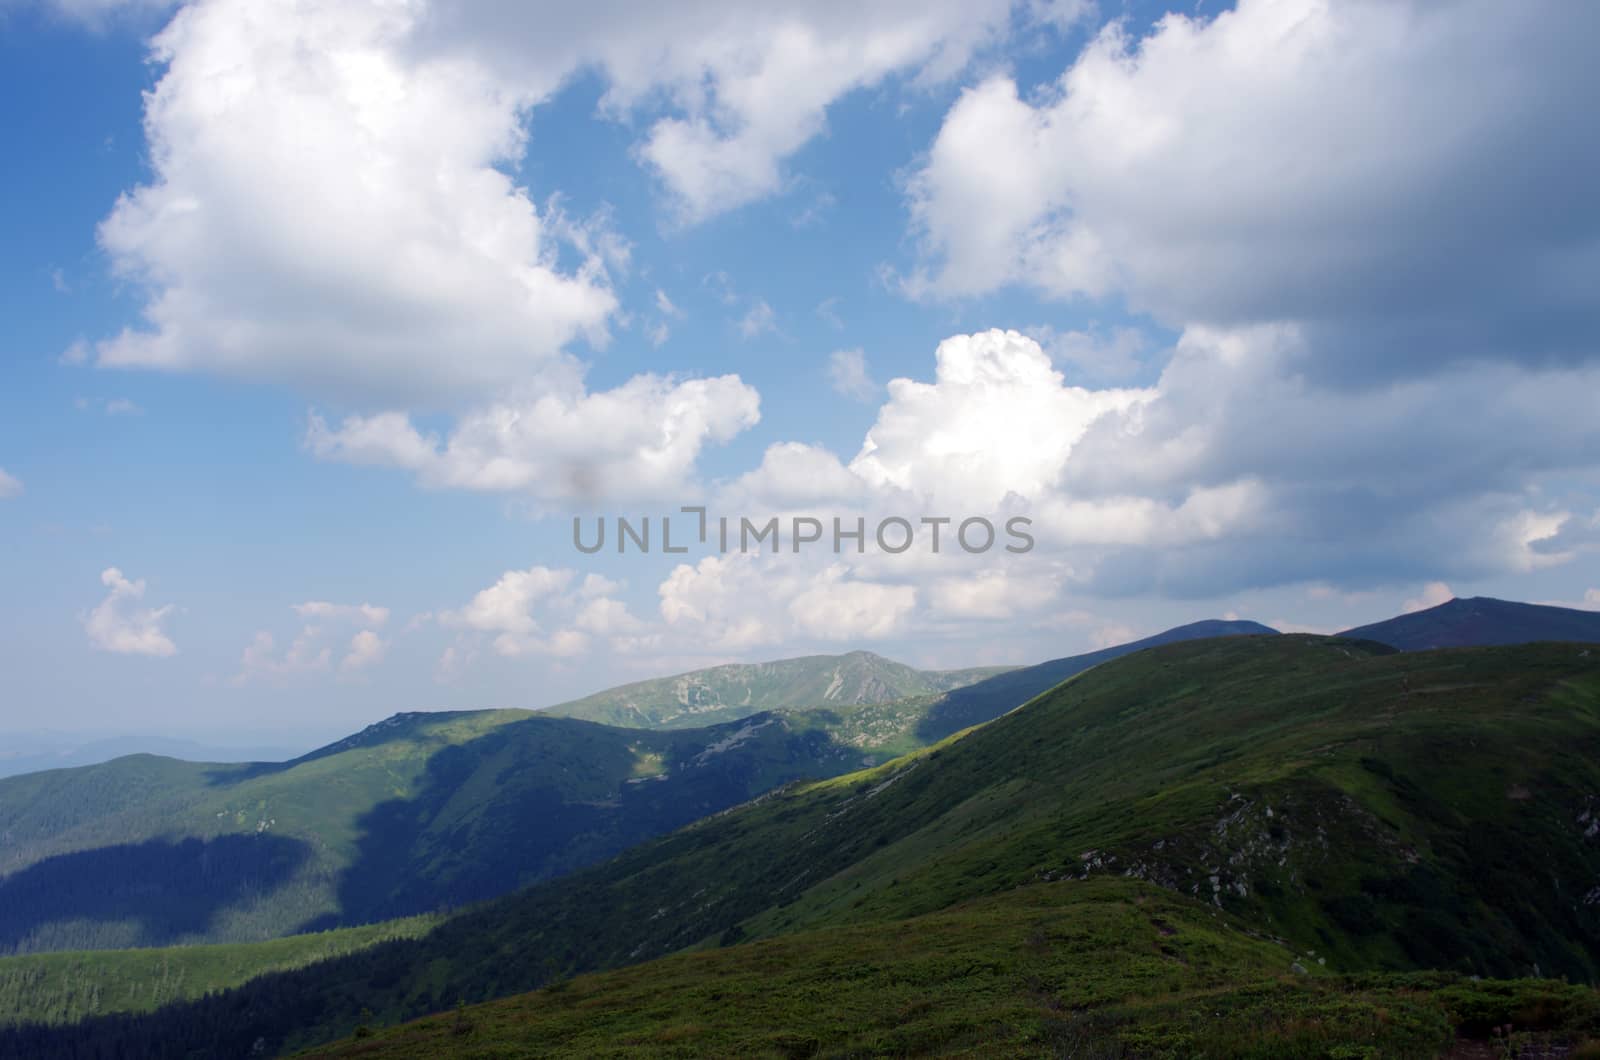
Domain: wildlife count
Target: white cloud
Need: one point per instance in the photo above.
(326, 210)
(118, 625)
(997, 420)
(1343, 165)
(792, 476)
(366, 650)
(1233, 471)
(640, 439)
(122, 407)
(506, 606)
(322, 610)
(736, 603)
(1433, 594)
(10, 485)
(838, 608)
(1241, 472)
(605, 616)
(330, 205)
(562, 644)
(536, 611)
(847, 374)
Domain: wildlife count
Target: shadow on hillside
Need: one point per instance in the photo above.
(525, 823)
(144, 894)
(993, 696)
(226, 776)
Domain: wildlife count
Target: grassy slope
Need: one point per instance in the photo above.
(726, 693)
(1372, 809)
(901, 726)
(417, 812)
(67, 987)
(1107, 967)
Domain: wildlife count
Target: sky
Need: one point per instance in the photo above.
(325, 321)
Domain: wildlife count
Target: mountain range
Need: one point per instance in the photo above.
(1287, 802)
(1280, 825)
(423, 812)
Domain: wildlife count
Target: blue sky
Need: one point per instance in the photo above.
(318, 313)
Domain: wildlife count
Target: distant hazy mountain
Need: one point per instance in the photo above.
(1481, 621)
(724, 693)
(32, 752)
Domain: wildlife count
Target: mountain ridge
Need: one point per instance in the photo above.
(1351, 801)
(733, 690)
(1481, 621)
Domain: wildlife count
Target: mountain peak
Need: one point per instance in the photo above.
(1481, 621)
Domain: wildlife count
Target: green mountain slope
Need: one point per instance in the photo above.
(1481, 621)
(726, 693)
(1372, 809)
(413, 814)
(54, 988)
(996, 695)
(1107, 968)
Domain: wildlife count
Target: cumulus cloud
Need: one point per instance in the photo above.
(119, 625)
(1341, 165)
(326, 209)
(640, 439)
(1233, 471)
(794, 475)
(738, 602)
(1318, 198)
(330, 206)
(997, 420)
(537, 611)
(1242, 473)
(10, 485)
(505, 607)
(847, 374)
